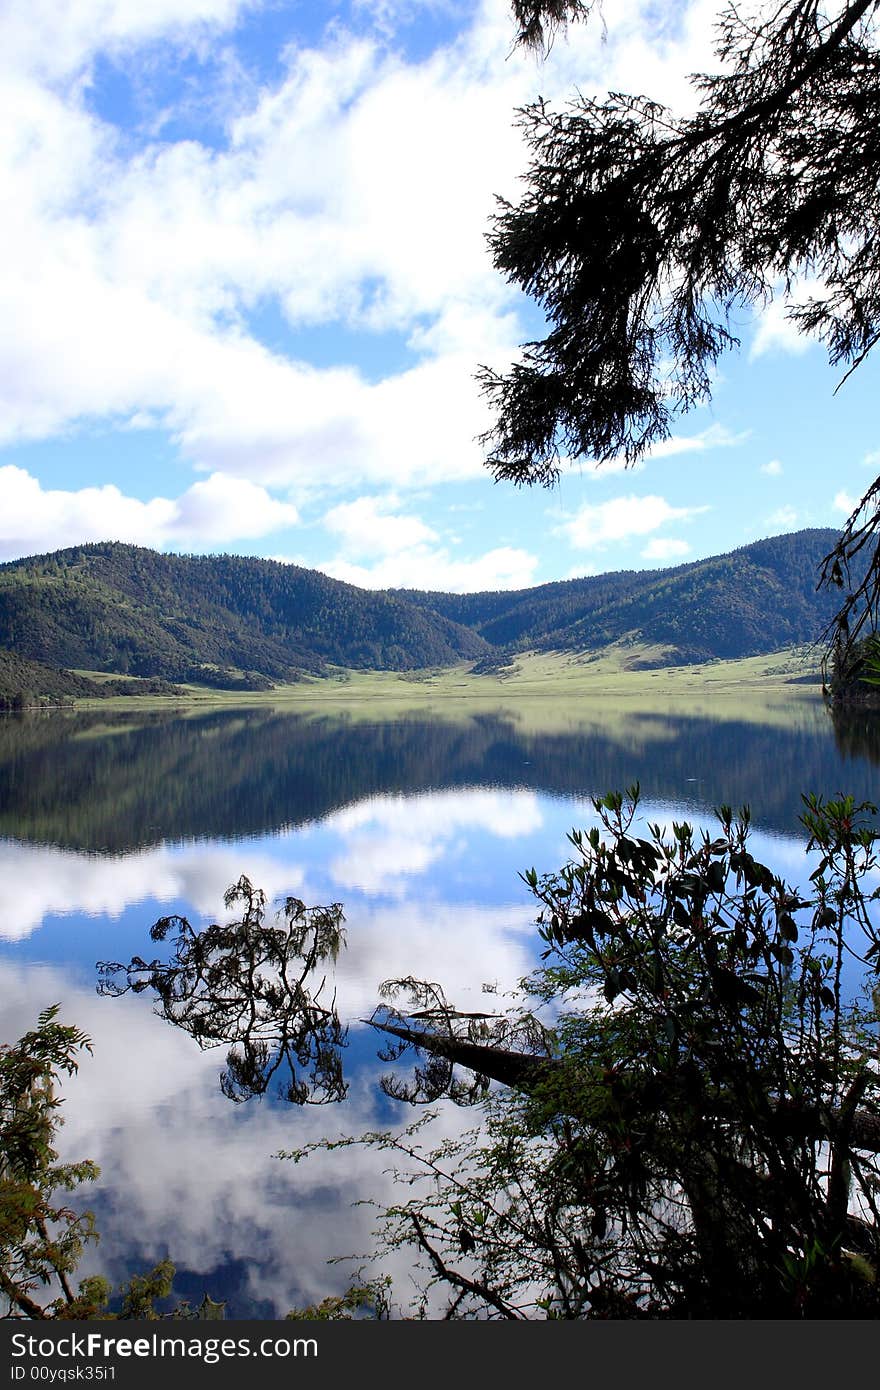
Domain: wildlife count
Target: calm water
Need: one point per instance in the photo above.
(418, 827)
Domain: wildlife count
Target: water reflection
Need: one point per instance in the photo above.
(857, 734)
(252, 986)
(419, 828)
(186, 1174)
(227, 775)
(389, 839)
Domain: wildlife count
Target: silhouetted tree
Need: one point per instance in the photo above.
(693, 1131)
(41, 1239)
(697, 1131)
(642, 234)
(249, 985)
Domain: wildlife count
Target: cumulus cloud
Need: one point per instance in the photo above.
(665, 549)
(219, 508)
(773, 468)
(367, 527)
(505, 567)
(281, 1223)
(383, 848)
(844, 502)
(384, 549)
(783, 516)
(715, 436)
(132, 269)
(131, 279)
(391, 839)
(775, 331)
(38, 881)
(79, 31)
(621, 518)
(222, 506)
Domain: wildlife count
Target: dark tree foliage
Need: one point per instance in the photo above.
(41, 1238)
(642, 235)
(855, 674)
(758, 598)
(249, 985)
(430, 1024)
(247, 773)
(704, 1139)
(853, 565)
(538, 20)
(223, 620)
(118, 607)
(28, 684)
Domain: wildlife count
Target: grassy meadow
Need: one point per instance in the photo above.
(537, 690)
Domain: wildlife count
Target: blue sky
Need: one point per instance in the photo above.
(245, 289)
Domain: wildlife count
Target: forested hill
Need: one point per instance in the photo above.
(756, 599)
(221, 619)
(25, 682)
(232, 621)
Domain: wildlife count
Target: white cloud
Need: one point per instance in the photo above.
(387, 844)
(659, 549)
(130, 272)
(384, 549)
(713, 437)
(463, 945)
(621, 518)
(368, 528)
(391, 839)
(156, 1192)
(37, 881)
(220, 508)
(421, 567)
(845, 503)
(56, 39)
(783, 516)
(129, 279)
(775, 331)
(773, 468)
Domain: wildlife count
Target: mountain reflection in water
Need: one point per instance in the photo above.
(419, 827)
(241, 773)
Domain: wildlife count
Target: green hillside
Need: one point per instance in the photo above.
(24, 683)
(218, 619)
(239, 623)
(757, 599)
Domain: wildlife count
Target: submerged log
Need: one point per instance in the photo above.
(525, 1072)
(520, 1070)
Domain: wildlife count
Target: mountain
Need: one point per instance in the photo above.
(219, 619)
(234, 622)
(756, 599)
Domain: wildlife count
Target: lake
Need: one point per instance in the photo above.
(419, 827)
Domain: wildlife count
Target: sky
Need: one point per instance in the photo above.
(245, 289)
